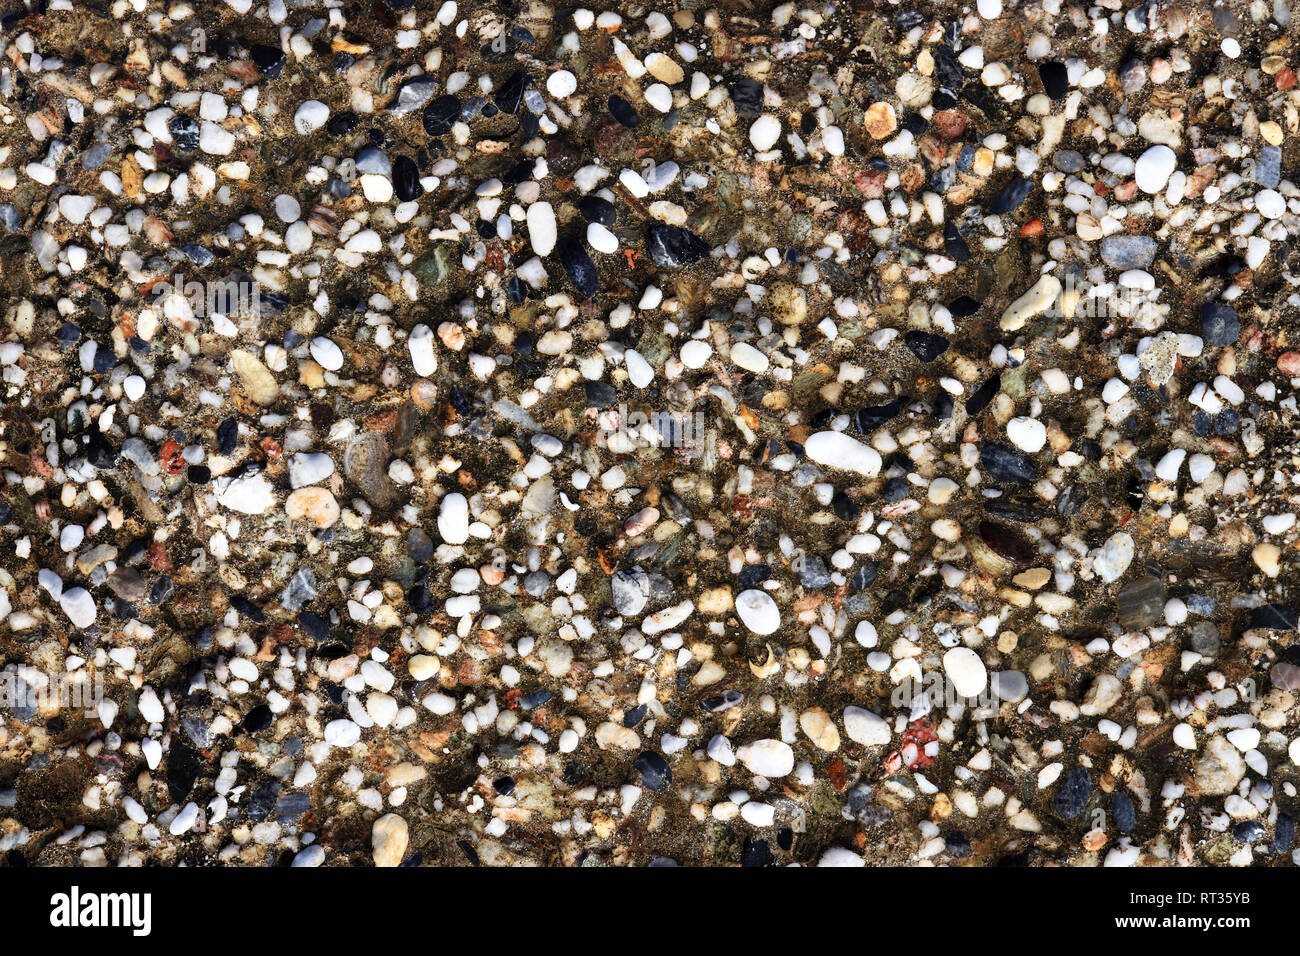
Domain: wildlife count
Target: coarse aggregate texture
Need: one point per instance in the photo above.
(444, 433)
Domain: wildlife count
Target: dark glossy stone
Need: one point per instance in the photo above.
(1006, 542)
(954, 244)
(597, 209)
(406, 179)
(926, 346)
(185, 133)
(1122, 811)
(100, 452)
(756, 853)
(1012, 195)
(1276, 617)
(227, 434)
(600, 394)
(871, 417)
(1056, 79)
(511, 93)
(1003, 463)
(291, 806)
(654, 770)
(257, 719)
(981, 397)
(268, 59)
(314, 626)
(674, 246)
(1248, 831)
(247, 608)
(441, 114)
(1283, 833)
(1142, 603)
(622, 111)
(577, 264)
(947, 68)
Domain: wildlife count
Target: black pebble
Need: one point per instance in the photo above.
(511, 93)
(981, 397)
(185, 133)
(1219, 324)
(406, 179)
(622, 111)
(954, 244)
(247, 608)
(257, 719)
(227, 435)
(577, 264)
(268, 59)
(441, 114)
(1056, 82)
(926, 346)
(747, 95)
(672, 246)
(1073, 795)
(654, 770)
(598, 209)
(1121, 808)
(1004, 463)
(1015, 192)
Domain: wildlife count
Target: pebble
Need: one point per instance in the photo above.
(838, 450)
(767, 757)
(388, 840)
(1154, 167)
(764, 132)
(758, 611)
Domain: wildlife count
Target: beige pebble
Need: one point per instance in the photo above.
(388, 838)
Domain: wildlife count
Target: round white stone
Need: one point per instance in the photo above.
(833, 140)
(767, 758)
(966, 671)
(307, 468)
(865, 634)
(248, 494)
(79, 606)
(71, 536)
(328, 355)
(1154, 167)
(757, 611)
(133, 387)
(659, 97)
(840, 857)
(865, 727)
(1027, 434)
(287, 208)
(838, 450)
(640, 372)
(311, 116)
(561, 83)
(695, 353)
(764, 132)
